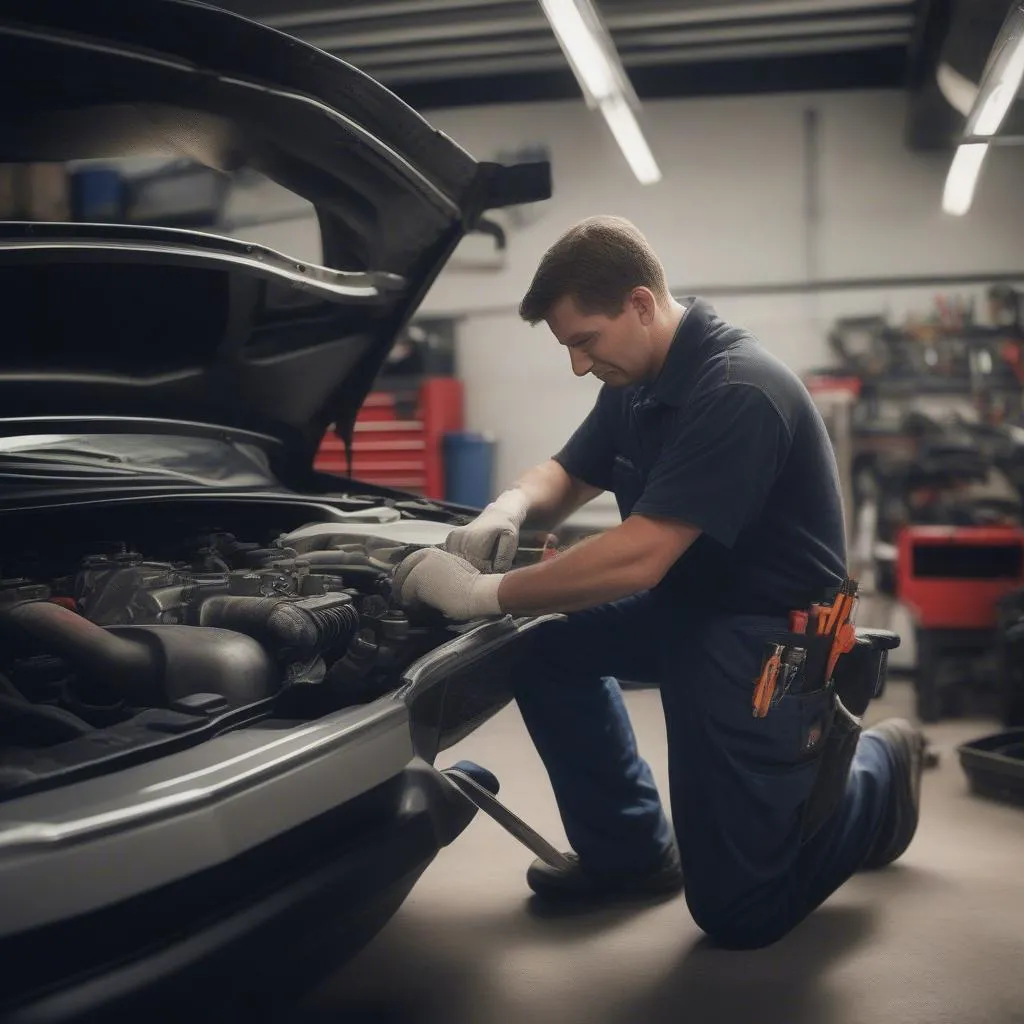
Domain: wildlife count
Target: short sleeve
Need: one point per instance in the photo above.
(590, 453)
(719, 463)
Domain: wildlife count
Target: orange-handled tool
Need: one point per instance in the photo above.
(766, 682)
(846, 637)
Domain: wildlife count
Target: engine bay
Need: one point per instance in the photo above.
(131, 628)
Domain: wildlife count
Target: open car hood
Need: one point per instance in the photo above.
(187, 326)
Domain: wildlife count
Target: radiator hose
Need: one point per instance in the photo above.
(288, 628)
(148, 665)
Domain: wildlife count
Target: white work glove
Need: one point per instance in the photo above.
(448, 583)
(491, 540)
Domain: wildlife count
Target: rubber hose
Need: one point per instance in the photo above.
(128, 666)
(282, 624)
(55, 725)
(357, 662)
(337, 624)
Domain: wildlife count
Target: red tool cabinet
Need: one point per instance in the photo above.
(397, 443)
(951, 577)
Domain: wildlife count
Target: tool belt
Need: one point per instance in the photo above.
(822, 651)
(804, 660)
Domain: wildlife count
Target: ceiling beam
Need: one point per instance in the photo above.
(471, 67)
(866, 69)
(724, 33)
(635, 42)
(423, 28)
(631, 15)
(337, 13)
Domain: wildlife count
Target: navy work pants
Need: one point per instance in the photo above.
(739, 785)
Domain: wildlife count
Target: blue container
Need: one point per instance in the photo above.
(468, 468)
(97, 194)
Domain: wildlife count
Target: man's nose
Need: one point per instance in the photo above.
(582, 364)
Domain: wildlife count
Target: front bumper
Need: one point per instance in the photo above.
(245, 939)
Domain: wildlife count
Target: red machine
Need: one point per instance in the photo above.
(951, 578)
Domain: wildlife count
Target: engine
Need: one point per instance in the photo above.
(303, 623)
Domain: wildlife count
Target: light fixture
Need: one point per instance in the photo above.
(1000, 83)
(582, 49)
(1006, 70)
(963, 177)
(591, 54)
(619, 117)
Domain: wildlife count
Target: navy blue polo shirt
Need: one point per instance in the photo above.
(726, 439)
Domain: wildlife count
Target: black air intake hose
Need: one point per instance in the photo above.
(287, 627)
(36, 724)
(90, 648)
(149, 665)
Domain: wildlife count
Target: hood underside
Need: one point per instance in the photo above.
(178, 324)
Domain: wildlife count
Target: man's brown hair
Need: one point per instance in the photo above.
(598, 261)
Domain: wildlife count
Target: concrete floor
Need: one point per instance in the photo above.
(937, 937)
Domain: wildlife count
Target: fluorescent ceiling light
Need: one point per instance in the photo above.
(624, 127)
(1004, 91)
(583, 50)
(963, 177)
(999, 86)
(592, 56)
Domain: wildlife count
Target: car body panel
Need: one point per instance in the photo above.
(239, 941)
(146, 826)
(227, 862)
(393, 198)
(143, 827)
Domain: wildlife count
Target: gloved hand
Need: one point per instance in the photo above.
(448, 583)
(489, 542)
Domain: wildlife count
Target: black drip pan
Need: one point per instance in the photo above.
(995, 765)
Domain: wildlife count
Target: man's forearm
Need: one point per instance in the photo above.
(624, 561)
(603, 568)
(552, 495)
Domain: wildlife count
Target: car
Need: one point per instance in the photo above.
(218, 728)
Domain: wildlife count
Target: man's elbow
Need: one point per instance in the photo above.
(663, 543)
(649, 572)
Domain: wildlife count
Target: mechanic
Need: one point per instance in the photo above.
(732, 516)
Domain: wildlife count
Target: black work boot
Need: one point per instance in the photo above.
(905, 744)
(577, 885)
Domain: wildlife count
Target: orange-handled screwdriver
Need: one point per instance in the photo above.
(846, 637)
(765, 688)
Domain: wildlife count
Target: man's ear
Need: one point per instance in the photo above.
(644, 303)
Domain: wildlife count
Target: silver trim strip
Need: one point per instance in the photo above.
(335, 284)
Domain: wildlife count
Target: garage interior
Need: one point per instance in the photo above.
(814, 169)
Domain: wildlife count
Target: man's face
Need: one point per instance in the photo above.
(616, 350)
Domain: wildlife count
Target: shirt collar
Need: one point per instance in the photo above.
(693, 342)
